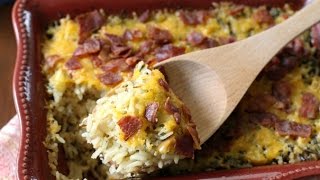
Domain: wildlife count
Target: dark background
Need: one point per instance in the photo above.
(7, 60)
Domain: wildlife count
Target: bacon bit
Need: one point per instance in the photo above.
(236, 10)
(177, 117)
(184, 145)
(195, 38)
(145, 16)
(121, 50)
(90, 46)
(169, 107)
(52, 60)
(132, 35)
(114, 39)
(168, 51)
(282, 91)
(260, 103)
(294, 129)
(298, 46)
(315, 34)
(164, 84)
(96, 61)
(73, 64)
(160, 36)
(309, 107)
(263, 16)
(227, 40)
(209, 43)
(132, 61)
(265, 119)
(110, 78)
(187, 114)
(104, 53)
(129, 125)
(89, 22)
(151, 112)
(274, 71)
(172, 109)
(194, 134)
(294, 48)
(290, 62)
(193, 18)
(146, 47)
(115, 65)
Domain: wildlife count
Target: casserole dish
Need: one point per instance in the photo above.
(30, 20)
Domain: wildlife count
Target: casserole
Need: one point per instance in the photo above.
(31, 18)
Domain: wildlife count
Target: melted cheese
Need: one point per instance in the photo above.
(258, 146)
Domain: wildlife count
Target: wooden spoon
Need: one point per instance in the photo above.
(211, 82)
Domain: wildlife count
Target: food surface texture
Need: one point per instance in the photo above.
(99, 76)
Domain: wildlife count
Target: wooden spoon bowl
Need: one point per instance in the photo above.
(212, 81)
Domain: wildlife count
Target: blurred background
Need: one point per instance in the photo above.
(7, 60)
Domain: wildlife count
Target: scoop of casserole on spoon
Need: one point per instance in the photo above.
(211, 82)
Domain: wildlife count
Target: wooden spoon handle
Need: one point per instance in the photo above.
(269, 42)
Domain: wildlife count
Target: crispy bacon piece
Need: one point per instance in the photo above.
(298, 46)
(263, 16)
(145, 16)
(146, 47)
(115, 65)
(121, 50)
(260, 103)
(129, 125)
(294, 129)
(172, 109)
(294, 48)
(274, 71)
(132, 61)
(132, 35)
(209, 43)
(265, 119)
(187, 114)
(227, 40)
(193, 17)
(310, 106)
(114, 39)
(160, 36)
(90, 46)
(73, 64)
(194, 134)
(191, 127)
(195, 38)
(151, 112)
(89, 22)
(52, 60)
(315, 34)
(168, 51)
(177, 117)
(110, 78)
(96, 61)
(281, 90)
(169, 107)
(104, 53)
(289, 62)
(184, 145)
(164, 84)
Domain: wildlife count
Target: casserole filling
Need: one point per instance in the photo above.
(140, 126)
(88, 57)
